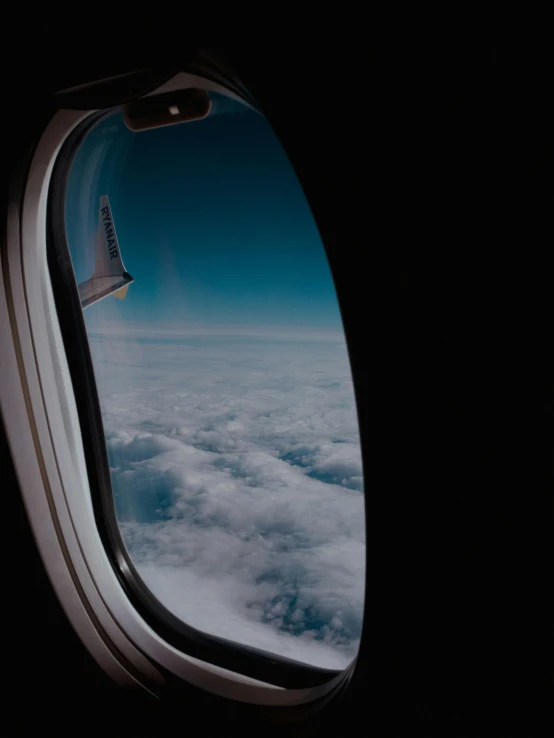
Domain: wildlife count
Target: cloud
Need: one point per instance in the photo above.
(237, 476)
(98, 327)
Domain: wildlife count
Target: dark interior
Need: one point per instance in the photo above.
(427, 164)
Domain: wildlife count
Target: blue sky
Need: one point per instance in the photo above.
(211, 219)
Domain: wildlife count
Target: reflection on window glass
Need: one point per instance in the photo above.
(224, 381)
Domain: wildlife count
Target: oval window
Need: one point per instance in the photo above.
(224, 382)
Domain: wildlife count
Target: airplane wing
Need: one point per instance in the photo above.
(110, 276)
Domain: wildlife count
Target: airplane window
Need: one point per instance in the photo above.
(224, 381)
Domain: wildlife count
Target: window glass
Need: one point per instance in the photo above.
(224, 380)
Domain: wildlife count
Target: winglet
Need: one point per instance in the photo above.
(120, 294)
(110, 276)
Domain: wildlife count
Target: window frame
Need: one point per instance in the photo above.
(52, 356)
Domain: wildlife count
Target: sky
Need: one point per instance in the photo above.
(193, 204)
(225, 386)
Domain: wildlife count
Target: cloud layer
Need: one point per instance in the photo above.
(237, 476)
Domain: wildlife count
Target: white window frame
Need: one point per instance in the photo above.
(42, 428)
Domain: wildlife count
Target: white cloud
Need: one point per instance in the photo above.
(99, 326)
(237, 473)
